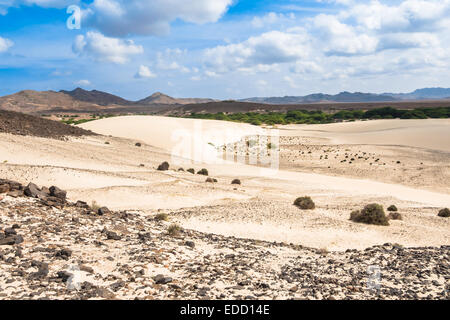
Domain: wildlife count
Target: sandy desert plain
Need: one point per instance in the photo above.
(242, 241)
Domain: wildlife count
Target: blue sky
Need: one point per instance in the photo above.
(225, 48)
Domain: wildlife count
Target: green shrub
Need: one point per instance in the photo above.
(174, 230)
(162, 217)
(371, 214)
(305, 203)
(191, 170)
(444, 213)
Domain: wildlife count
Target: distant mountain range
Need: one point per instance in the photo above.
(29, 101)
(349, 97)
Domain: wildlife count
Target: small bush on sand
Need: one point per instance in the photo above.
(305, 203)
(94, 206)
(392, 208)
(181, 169)
(371, 214)
(444, 213)
(138, 144)
(162, 217)
(236, 181)
(174, 230)
(163, 166)
(210, 180)
(191, 170)
(203, 172)
(395, 216)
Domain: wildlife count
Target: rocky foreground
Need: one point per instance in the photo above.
(54, 249)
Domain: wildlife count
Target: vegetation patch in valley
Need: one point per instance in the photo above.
(320, 117)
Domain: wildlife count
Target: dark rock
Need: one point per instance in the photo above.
(236, 181)
(64, 275)
(82, 204)
(163, 166)
(34, 191)
(10, 232)
(102, 211)
(138, 144)
(58, 193)
(63, 254)
(112, 236)
(203, 172)
(444, 213)
(8, 241)
(161, 279)
(15, 193)
(190, 244)
(4, 188)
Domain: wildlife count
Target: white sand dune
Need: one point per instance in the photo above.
(111, 174)
(427, 133)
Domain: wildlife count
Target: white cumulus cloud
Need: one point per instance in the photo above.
(103, 48)
(5, 44)
(150, 17)
(144, 72)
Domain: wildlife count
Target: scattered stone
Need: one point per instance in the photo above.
(82, 204)
(103, 210)
(113, 236)
(190, 244)
(395, 216)
(392, 208)
(203, 172)
(58, 193)
(64, 254)
(34, 191)
(163, 166)
(444, 213)
(161, 279)
(4, 188)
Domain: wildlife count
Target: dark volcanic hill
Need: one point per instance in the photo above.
(28, 125)
(96, 97)
(30, 101)
(161, 98)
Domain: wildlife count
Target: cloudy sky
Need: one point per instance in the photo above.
(224, 48)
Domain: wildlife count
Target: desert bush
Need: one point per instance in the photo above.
(210, 180)
(174, 230)
(444, 213)
(394, 215)
(94, 206)
(162, 217)
(371, 214)
(191, 170)
(392, 208)
(203, 172)
(138, 144)
(305, 203)
(236, 181)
